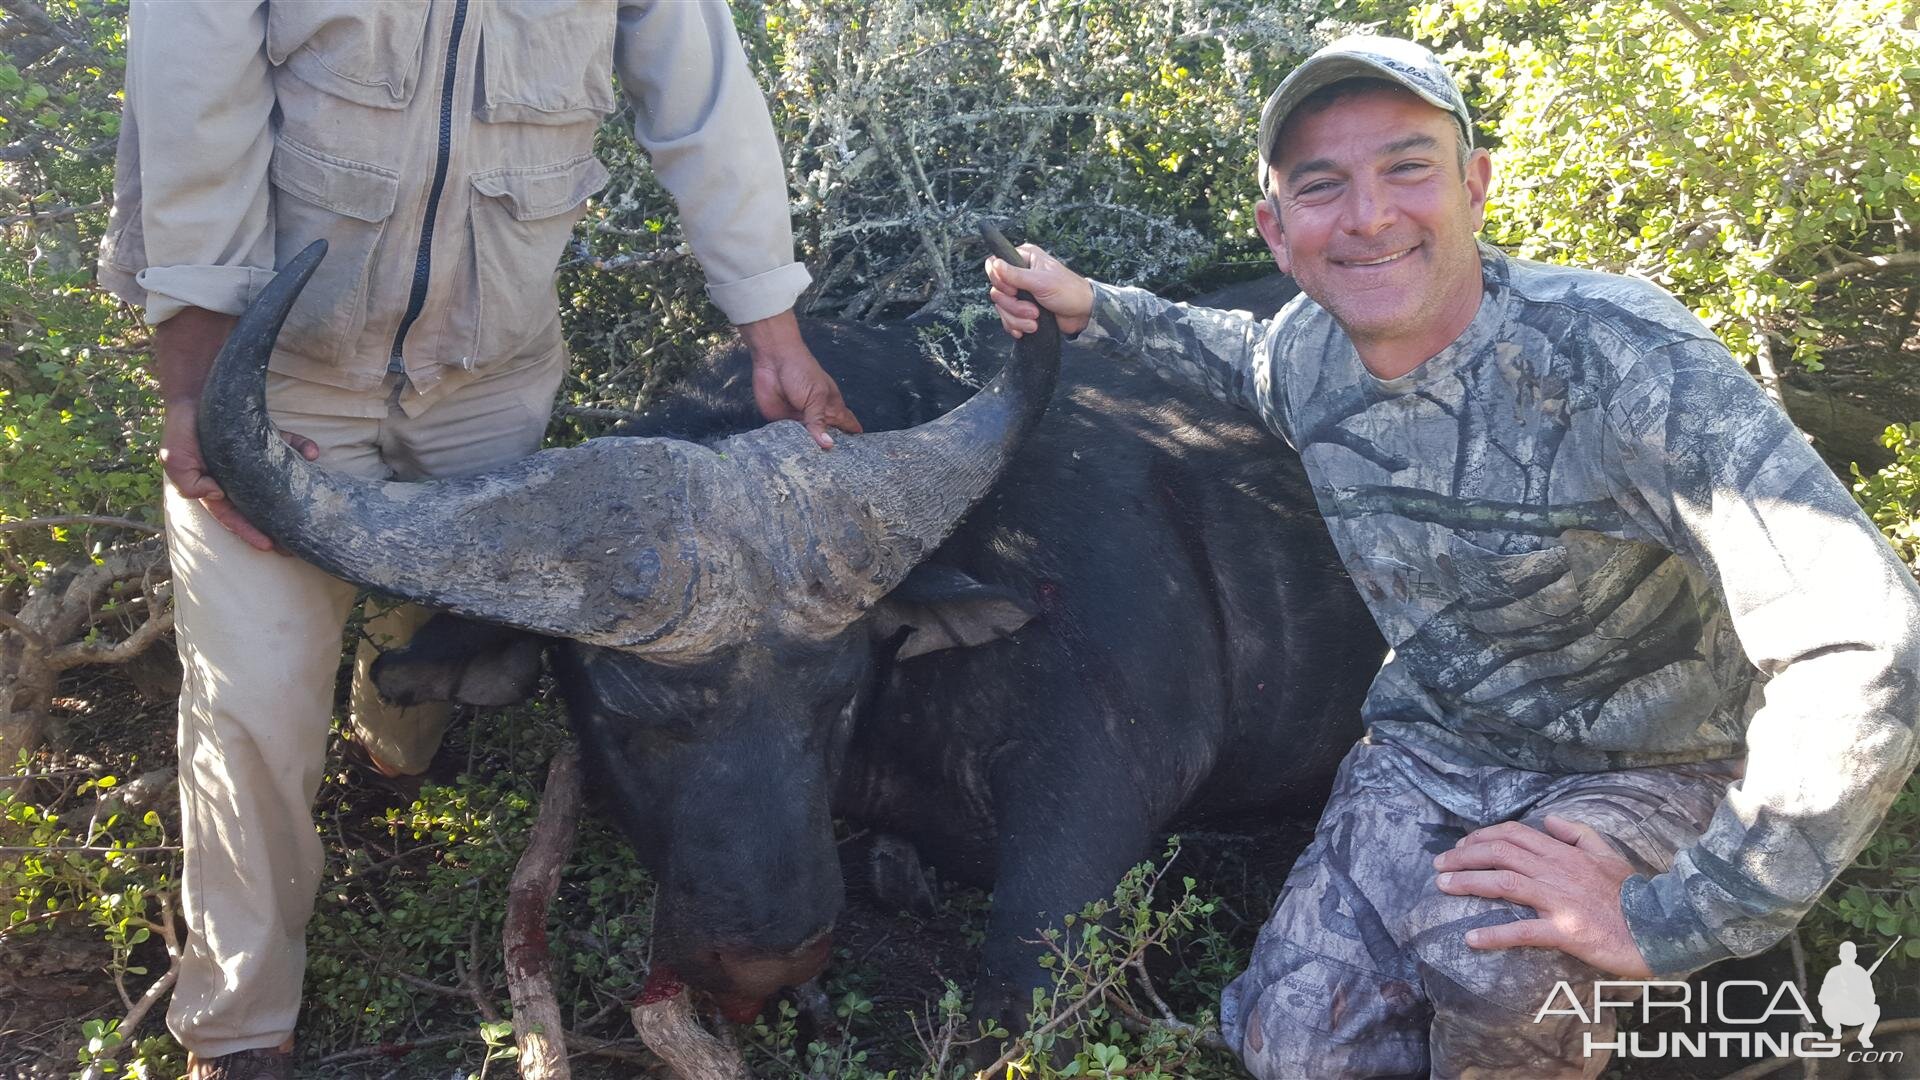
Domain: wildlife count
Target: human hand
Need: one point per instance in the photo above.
(1056, 288)
(187, 471)
(183, 351)
(789, 384)
(1570, 875)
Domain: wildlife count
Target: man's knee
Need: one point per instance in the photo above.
(1301, 1014)
(1490, 1005)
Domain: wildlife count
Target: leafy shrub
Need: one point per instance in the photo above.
(77, 419)
(1119, 135)
(1755, 157)
(1891, 496)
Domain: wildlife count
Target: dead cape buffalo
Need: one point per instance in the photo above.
(1142, 620)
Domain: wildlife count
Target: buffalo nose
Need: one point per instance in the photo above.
(750, 977)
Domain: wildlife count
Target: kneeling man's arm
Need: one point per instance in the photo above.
(1820, 604)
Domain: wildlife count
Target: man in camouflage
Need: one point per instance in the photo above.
(1654, 676)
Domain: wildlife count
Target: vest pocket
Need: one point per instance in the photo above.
(546, 61)
(347, 203)
(521, 219)
(366, 53)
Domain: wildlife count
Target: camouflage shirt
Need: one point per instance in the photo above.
(1594, 544)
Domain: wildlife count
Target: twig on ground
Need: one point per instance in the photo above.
(537, 1026)
(595, 412)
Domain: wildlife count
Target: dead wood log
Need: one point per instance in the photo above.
(48, 635)
(670, 1027)
(537, 1027)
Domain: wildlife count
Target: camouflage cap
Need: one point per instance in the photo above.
(1362, 56)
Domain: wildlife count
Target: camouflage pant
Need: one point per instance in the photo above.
(1363, 969)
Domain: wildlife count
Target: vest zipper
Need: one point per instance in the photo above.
(423, 261)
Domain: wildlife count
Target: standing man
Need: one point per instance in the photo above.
(1654, 675)
(444, 151)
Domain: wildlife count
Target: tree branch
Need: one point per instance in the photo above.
(537, 1026)
(668, 1026)
(77, 849)
(1867, 267)
(36, 21)
(58, 213)
(31, 636)
(1700, 34)
(137, 1012)
(119, 652)
(594, 412)
(1763, 360)
(61, 520)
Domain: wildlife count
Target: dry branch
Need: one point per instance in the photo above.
(137, 1011)
(46, 636)
(55, 213)
(62, 520)
(667, 1023)
(537, 1027)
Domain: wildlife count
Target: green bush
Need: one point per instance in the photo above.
(77, 417)
(1755, 157)
(1118, 133)
(1891, 496)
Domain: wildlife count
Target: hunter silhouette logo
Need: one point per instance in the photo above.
(1846, 994)
(1729, 1018)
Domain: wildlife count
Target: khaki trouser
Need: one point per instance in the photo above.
(259, 638)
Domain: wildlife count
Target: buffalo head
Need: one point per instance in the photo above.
(718, 608)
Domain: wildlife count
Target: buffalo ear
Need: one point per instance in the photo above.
(941, 608)
(463, 661)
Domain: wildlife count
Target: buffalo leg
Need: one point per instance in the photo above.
(1061, 846)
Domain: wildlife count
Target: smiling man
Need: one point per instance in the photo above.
(1653, 679)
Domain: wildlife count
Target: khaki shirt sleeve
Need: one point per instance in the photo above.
(704, 123)
(193, 216)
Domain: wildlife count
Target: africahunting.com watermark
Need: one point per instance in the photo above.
(1725, 1018)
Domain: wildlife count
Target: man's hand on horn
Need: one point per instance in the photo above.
(1058, 289)
(789, 384)
(183, 351)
